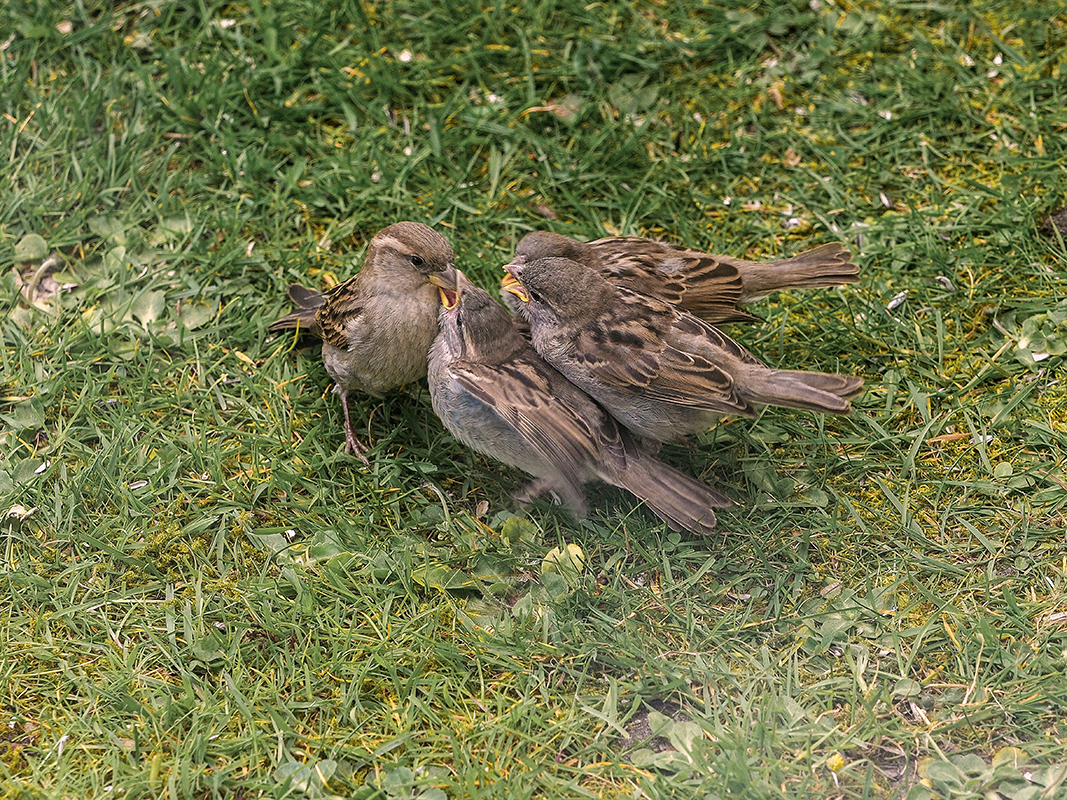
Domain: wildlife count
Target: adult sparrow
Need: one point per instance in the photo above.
(712, 287)
(660, 371)
(377, 326)
(497, 396)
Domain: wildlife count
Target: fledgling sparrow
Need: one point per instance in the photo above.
(377, 326)
(497, 396)
(660, 371)
(712, 287)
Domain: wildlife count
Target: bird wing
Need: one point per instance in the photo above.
(343, 303)
(705, 285)
(560, 422)
(634, 347)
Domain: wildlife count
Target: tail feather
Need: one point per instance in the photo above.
(308, 302)
(808, 391)
(305, 297)
(303, 318)
(822, 267)
(682, 502)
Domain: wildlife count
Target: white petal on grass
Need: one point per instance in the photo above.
(897, 301)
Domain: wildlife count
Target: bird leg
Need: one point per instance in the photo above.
(352, 445)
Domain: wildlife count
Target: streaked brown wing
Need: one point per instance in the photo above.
(703, 284)
(342, 302)
(568, 431)
(630, 349)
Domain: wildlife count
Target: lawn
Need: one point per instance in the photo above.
(202, 596)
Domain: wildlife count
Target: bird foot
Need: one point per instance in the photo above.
(354, 448)
(352, 444)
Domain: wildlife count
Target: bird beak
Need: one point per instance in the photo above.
(511, 284)
(447, 284)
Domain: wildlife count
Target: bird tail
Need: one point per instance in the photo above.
(821, 267)
(808, 391)
(682, 502)
(308, 302)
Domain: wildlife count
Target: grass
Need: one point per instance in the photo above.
(203, 597)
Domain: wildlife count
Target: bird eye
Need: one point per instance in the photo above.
(417, 261)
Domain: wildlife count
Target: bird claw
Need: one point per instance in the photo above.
(354, 448)
(352, 445)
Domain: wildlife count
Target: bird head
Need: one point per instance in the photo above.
(474, 325)
(552, 290)
(409, 248)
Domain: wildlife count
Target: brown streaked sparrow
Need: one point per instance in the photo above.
(497, 396)
(377, 326)
(712, 287)
(660, 371)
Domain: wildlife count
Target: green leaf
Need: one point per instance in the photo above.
(115, 259)
(556, 586)
(492, 568)
(659, 723)
(148, 306)
(208, 649)
(192, 315)
(170, 230)
(919, 792)
(482, 612)
(26, 415)
(971, 765)
(25, 470)
(109, 229)
(398, 782)
(31, 247)
(814, 497)
(310, 779)
(1012, 756)
(630, 95)
(568, 561)
(272, 540)
(906, 687)
(439, 577)
(519, 529)
(687, 737)
(944, 772)
(325, 545)
(1003, 470)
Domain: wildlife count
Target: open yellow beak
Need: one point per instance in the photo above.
(511, 285)
(447, 288)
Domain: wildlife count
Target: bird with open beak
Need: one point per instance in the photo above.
(659, 370)
(709, 286)
(497, 396)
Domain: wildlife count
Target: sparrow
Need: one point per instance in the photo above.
(498, 397)
(377, 326)
(659, 370)
(712, 287)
